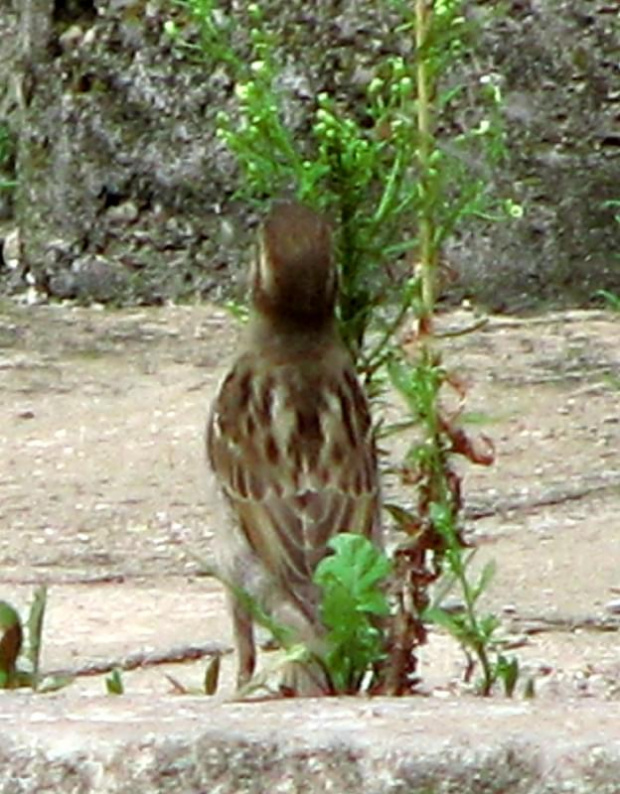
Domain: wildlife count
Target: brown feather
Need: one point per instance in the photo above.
(308, 474)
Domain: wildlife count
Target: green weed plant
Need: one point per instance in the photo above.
(20, 647)
(397, 188)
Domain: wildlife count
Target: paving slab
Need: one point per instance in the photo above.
(417, 745)
(102, 498)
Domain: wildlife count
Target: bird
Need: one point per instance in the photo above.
(289, 439)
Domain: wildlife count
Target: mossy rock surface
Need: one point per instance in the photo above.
(108, 114)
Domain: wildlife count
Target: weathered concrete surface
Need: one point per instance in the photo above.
(80, 387)
(418, 746)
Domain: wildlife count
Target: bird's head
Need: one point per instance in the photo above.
(294, 279)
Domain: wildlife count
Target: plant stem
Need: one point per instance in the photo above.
(478, 645)
(428, 253)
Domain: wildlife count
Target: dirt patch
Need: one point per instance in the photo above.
(103, 494)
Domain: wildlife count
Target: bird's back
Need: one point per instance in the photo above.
(294, 454)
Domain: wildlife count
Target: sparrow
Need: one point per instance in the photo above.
(289, 436)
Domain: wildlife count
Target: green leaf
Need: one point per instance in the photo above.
(358, 567)
(488, 624)
(507, 671)
(283, 635)
(402, 516)
(114, 683)
(35, 630)
(484, 580)
(9, 617)
(10, 644)
(351, 582)
(212, 675)
(529, 691)
(611, 299)
(453, 623)
(54, 683)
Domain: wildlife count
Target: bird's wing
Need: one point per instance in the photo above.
(296, 460)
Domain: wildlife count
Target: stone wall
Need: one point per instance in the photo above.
(560, 60)
(126, 194)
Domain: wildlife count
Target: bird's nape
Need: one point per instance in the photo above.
(295, 275)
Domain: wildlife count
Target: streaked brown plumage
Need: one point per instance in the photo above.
(289, 436)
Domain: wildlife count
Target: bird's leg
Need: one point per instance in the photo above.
(244, 641)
